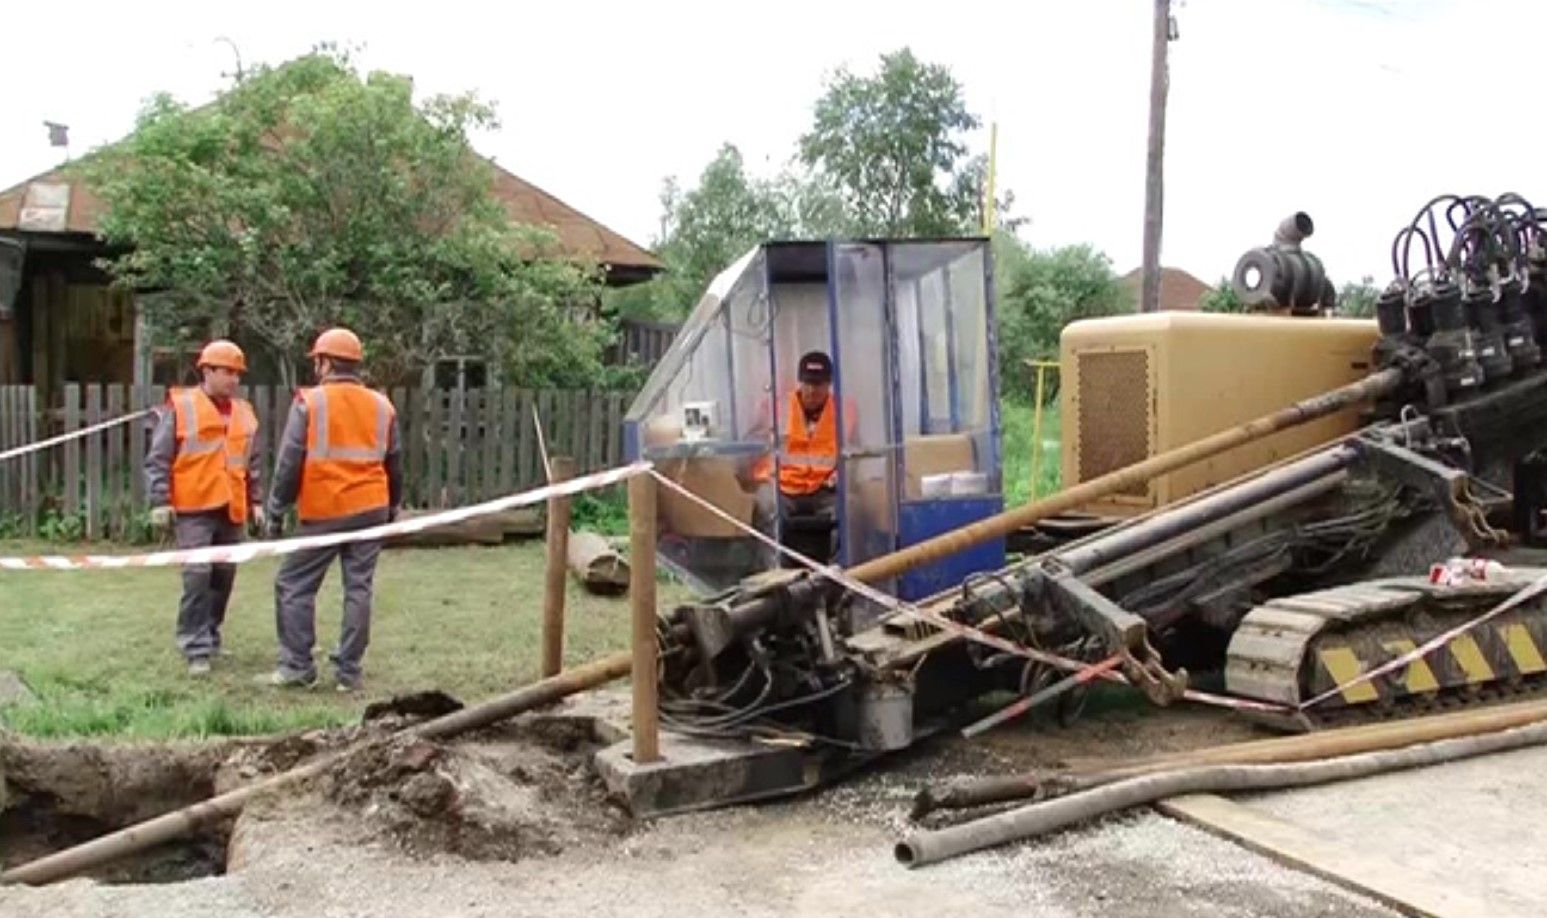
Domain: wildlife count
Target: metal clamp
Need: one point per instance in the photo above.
(1451, 487)
(1120, 632)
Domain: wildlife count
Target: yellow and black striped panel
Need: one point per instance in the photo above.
(1508, 649)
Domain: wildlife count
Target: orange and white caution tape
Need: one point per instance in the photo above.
(951, 626)
(1525, 594)
(248, 551)
(19, 451)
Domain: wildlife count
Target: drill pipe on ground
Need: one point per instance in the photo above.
(181, 822)
(1048, 816)
(1324, 744)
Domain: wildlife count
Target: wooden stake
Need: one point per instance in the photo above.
(561, 468)
(641, 524)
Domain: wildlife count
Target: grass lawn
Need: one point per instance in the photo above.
(1015, 417)
(97, 646)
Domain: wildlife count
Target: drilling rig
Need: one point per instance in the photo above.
(1252, 502)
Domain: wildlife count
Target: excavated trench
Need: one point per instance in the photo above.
(55, 796)
(520, 790)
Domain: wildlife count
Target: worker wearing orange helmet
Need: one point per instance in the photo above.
(339, 464)
(202, 485)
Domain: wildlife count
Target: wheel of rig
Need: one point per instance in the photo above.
(1071, 705)
(1034, 678)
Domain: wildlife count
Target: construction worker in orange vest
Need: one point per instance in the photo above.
(339, 464)
(808, 448)
(202, 484)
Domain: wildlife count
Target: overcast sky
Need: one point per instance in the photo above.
(1356, 111)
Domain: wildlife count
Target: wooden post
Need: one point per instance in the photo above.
(553, 573)
(641, 526)
(1154, 167)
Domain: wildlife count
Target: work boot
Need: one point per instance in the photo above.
(198, 668)
(347, 686)
(280, 678)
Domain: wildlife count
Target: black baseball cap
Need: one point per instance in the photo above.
(816, 367)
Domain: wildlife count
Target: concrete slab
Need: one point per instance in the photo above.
(1475, 822)
(606, 712)
(695, 774)
(1361, 869)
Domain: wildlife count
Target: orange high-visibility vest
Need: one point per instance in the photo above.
(807, 460)
(347, 428)
(210, 469)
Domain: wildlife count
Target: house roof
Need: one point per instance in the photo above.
(1179, 291)
(50, 203)
(528, 204)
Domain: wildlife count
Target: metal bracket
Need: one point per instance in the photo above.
(1453, 488)
(1120, 631)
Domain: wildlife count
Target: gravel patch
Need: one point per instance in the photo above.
(325, 853)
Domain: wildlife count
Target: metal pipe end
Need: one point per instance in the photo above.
(906, 854)
(1293, 229)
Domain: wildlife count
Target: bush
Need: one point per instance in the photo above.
(1039, 293)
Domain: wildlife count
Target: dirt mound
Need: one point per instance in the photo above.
(523, 791)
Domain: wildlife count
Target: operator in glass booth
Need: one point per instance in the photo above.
(808, 449)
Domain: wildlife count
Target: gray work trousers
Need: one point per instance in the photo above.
(770, 501)
(206, 587)
(295, 598)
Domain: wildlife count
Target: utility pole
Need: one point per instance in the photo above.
(990, 218)
(1164, 32)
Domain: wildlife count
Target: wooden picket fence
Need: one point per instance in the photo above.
(459, 447)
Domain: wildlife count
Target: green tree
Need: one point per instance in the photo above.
(704, 229)
(1356, 300)
(707, 227)
(891, 146)
(311, 194)
(1222, 298)
(1042, 292)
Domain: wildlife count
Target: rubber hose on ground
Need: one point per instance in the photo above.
(1040, 818)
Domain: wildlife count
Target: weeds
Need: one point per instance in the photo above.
(604, 512)
(1016, 419)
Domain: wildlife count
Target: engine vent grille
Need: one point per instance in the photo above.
(1113, 412)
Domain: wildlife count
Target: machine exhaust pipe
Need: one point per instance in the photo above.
(1293, 230)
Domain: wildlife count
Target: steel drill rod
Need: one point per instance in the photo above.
(976, 792)
(1002, 524)
(1051, 815)
(181, 822)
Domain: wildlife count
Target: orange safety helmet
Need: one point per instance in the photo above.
(225, 354)
(340, 343)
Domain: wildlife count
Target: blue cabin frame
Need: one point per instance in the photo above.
(909, 325)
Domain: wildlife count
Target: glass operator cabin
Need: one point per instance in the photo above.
(909, 328)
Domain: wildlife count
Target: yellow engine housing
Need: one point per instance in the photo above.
(1137, 385)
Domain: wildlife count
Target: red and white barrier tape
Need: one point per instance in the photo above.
(248, 551)
(966, 632)
(1524, 594)
(19, 451)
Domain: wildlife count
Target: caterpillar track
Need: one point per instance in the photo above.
(1292, 649)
